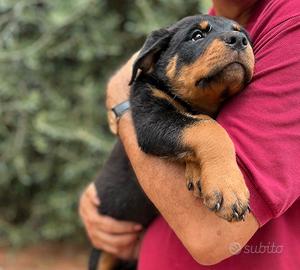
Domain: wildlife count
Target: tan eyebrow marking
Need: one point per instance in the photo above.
(203, 25)
(236, 27)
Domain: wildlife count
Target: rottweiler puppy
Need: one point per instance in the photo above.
(181, 77)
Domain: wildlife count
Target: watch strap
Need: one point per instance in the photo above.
(121, 108)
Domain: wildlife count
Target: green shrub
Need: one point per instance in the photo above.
(55, 59)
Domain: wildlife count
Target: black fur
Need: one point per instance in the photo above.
(157, 122)
(121, 197)
(122, 206)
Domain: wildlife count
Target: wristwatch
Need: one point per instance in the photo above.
(115, 114)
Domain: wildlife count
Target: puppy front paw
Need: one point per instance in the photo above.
(223, 190)
(212, 172)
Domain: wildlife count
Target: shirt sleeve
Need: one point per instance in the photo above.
(264, 123)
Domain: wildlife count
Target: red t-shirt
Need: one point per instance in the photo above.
(264, 124)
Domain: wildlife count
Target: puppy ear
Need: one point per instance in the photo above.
(156, 42)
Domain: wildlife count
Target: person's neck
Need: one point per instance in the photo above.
(239, 11)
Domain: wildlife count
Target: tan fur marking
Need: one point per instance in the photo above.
(206, 133)
(236, 27)
(107, 261)
(162, 95)
(189, 75)
(171, 68)
(216, 56)
(203, 25)
(250, 60)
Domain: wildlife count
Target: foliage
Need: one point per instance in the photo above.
(55, 59)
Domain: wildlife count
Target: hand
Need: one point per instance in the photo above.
(119, 238)
(117, 87)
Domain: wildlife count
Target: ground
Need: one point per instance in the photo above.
(45, 257)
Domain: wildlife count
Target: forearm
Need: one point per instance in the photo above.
(164, 183)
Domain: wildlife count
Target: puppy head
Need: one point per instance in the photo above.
(204, 59)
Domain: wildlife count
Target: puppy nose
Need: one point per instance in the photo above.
(236, 40)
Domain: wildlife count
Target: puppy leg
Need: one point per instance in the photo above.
(120, 197)
(213, 171)
(205, 147)
(118, 189)
(108, 261)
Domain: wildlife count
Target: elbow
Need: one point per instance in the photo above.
(204, 257)
(206, 260)
(207, 253)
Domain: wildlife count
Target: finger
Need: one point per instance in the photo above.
(116, 241)
(95, 222)
(110, 249)
(91, 192)
(86, 203)
(105, 247)
(111, 225)
(89, 213)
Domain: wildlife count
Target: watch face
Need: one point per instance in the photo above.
(112, 122)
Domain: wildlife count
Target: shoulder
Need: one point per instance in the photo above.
(264, 118)
(269, 15)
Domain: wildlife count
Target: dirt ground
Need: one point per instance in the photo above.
(45, 257)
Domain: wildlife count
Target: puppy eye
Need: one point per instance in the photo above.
(197, 34)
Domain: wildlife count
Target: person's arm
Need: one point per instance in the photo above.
(207, 237)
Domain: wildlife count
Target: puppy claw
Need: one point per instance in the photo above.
(236, 215)
(199, 186)
(217, 207)
(190, 186)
